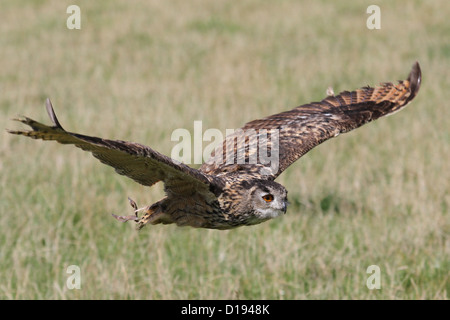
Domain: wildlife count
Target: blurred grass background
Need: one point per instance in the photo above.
(138, 70)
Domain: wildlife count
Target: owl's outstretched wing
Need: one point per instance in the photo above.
(297, 131)
(136, 161)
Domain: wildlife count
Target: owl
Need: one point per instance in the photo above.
(236, 186)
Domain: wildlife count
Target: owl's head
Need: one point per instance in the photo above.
(269, 199)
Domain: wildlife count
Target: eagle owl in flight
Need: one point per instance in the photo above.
(225, 195)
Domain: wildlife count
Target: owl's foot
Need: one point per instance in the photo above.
(130, 217)
(146, 218)
(153, 215)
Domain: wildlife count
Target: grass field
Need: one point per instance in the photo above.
(138, 70)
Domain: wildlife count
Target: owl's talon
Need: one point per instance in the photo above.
(125, 218)
(133, 204)
(130, 217)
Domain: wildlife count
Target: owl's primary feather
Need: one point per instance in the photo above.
(227, 194)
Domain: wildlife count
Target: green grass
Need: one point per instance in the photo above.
(376, 196)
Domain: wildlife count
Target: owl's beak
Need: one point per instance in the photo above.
(285, 204)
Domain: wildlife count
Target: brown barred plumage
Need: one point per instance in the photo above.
(227, 194)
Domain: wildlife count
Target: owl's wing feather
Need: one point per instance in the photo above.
(306, 126)
(136, 161)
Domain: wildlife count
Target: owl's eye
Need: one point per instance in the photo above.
(268, 198)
